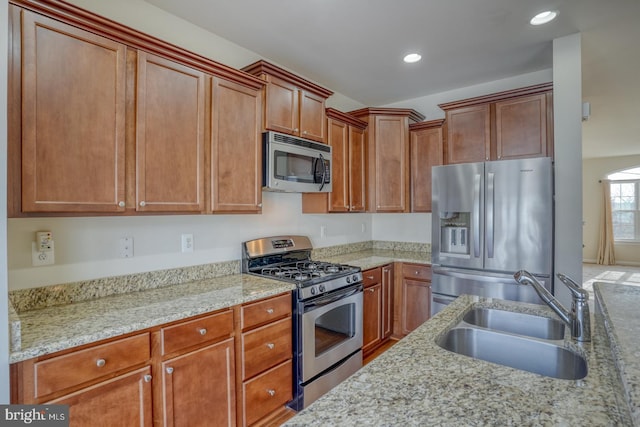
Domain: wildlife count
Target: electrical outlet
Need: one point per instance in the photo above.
(42, 257)
(126, 247)
(323, 231)
(187, 243)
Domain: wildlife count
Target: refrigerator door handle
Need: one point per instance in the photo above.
(490, 212)
(476, 215)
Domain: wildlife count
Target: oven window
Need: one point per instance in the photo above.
(334, 327)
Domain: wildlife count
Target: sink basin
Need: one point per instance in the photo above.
(516, 323)
(516, 352)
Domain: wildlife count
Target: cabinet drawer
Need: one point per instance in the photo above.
(267, 392)
(372, 276)
(197, 331)
(266, 347)
(75, 368)
(265, 311)
(416, 271)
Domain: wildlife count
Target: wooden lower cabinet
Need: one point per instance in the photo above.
(377, 307)
(225, 368)
(123, 400)
(265, 353)
(414, 296)
(198, 387)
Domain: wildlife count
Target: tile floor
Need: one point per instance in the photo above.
(609, 273)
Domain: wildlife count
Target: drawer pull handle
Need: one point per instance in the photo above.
(100, 363)
(169, 370)
(271, 345)
(203, 331)
(121, 204)
(417, 273)
(143, 203)
(371, 290)
(370, 277)
(270, 310)
(147, 378)
(271, 392)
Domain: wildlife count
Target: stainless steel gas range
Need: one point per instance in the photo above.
(327, 312)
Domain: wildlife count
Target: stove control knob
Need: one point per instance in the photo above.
(313, 291)
(355, 277)
(322, 288)
(348, 279)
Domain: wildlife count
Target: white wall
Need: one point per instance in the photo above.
(594, 170)
(4, 311)
(567, 116)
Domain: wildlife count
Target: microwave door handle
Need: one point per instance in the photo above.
(324, 171)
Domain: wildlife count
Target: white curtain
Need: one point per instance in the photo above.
(606, 251)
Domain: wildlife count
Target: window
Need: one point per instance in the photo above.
(625, 205)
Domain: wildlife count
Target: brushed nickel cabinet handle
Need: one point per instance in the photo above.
(271, 345)
(100, 363)
(169, 370)
(121, 204)
(370, 277)
(371, 290)
(270, 310)
(147, 378)
(202, 331)
(143, 204)
(271, 392)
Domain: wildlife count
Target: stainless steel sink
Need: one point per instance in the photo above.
(516, 323)
(517, 352)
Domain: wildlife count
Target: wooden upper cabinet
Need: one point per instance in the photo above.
(170, 107)
(236, 148)
(292, 105)
(426, 152)
(73, 117)
(387, 163)
(513, 124)
(345, 135)
(468, 134)
(521, 127)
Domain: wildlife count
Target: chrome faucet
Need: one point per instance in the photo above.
(578, 318)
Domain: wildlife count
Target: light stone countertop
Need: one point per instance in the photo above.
(57, 328)
(372, 258)
(417, 383)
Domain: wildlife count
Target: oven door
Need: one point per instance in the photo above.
(331, 330)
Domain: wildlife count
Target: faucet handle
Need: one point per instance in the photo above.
(576, 290)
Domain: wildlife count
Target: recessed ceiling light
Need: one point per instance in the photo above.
(544, 17)
(412, 57)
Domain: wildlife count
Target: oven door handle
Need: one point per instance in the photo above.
(326, 301)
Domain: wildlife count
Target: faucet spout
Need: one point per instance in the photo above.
(524, 277)
(578, 319)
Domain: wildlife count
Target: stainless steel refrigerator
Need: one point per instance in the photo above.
(490, 220)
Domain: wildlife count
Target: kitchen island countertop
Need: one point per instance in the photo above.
(417, 383)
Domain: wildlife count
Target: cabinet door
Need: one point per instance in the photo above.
(236, 148)
(121, 401)
(73, 119)
(416, 298)
(387, 301)
(338, 139)
(521, 127)
(372, 317)
(199, 387)
(357, 182)
(169, 136)
(281, 106)
(426, 152)
(312, 116)
(392, 163)
(468, 134)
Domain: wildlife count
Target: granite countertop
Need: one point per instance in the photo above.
(57, 328)
(372, 258)
(46, 330)
(417, 383)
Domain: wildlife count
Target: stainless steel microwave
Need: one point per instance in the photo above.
(295, 165)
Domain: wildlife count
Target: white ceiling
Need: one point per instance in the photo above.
(355, 47)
